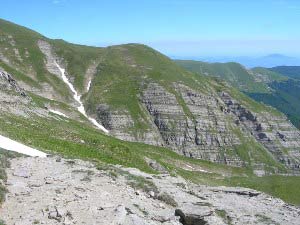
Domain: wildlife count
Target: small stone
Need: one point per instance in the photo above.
(61, 212)
(58, 159)
(67, 221)
(162, 219)
(48, 180)
(161, 205)
(53, 215)
(151, 194)
(22, 173)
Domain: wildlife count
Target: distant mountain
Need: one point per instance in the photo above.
(274, 60)
(276, 86)
(252, 81)
(268, 61)
(289, 71)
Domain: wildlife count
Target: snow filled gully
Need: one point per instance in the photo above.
(77, 98)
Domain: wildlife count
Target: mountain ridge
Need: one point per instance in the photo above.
(271, 60)
(140, 95)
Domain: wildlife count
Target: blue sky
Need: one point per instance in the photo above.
(177, 28)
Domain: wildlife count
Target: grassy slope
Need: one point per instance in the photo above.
(271, 75)
(233, 73)
(285, 95)
(64, 137)
(289, 71)
(31, 68)
(32, 59)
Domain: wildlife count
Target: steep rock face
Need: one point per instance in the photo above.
(90, 73)
(201, 134)
(116, 121)
(167, 115)
(9, 83)
(49, 62)
(50, 57)
(120, 123)
(13, 99)
(276, 134)
(212, 129)
(20, 52)
(209, 126)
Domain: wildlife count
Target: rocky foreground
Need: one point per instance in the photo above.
(60, 191)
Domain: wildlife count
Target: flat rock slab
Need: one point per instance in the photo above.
(44, 191)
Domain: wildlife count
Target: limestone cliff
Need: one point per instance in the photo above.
(211, 127)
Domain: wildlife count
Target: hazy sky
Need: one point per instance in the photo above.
(177, 28)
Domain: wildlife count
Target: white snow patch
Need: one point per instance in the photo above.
(196, 169)
(58, 113)
(14, 146)
(89, 85)
(77, 98)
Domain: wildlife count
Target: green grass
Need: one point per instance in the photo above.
(265, 220)
(233, 73)
(224, 216)
(284, 97)
(41, 102)
(20, 76)
(284, 187)
(289, 71)
(64, 138)
(271, 75)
